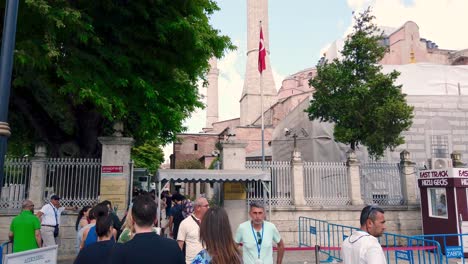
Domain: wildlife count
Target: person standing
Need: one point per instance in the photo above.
(216, 236)
(25, 229)
(146, 246)
(189, 230)
(99, 252)
(257, 237)
(362, 246)
(50, 220)
(176, 215)
(117, 224)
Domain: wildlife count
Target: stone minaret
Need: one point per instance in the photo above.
(212, 96)
(257, 10)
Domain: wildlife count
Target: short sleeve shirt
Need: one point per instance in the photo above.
(24, 227)
(49, 214)
(245, 235)
(362, 248)
(189, 231)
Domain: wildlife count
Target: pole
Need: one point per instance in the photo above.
(6, 67)
(261, 109)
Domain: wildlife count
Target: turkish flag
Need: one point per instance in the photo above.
(261, 53)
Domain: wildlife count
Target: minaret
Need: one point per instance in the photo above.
(212, 96)
(257, 10)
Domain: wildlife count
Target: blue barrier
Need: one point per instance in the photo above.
(5, 248)
(451, 245)
(398, 248)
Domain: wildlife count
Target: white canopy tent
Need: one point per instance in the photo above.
(215, 176)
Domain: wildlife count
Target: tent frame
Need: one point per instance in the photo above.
(185, 176)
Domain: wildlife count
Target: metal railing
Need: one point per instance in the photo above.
(5, 248)
(281, 183)
(381, 183)
(17, 174)
(398, 248)
(76, 181)
(452, 245)
(326, 183)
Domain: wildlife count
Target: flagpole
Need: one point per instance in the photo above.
(261, 109)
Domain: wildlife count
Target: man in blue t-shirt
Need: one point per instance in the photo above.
(257, 237)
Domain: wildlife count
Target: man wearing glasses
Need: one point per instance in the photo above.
(189, 230)
(25, 229)
(257, 237)
(362, 247)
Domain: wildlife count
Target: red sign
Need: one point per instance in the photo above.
(112, 169)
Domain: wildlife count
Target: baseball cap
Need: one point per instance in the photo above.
(55, 197)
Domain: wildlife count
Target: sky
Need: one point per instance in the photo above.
(301, 30)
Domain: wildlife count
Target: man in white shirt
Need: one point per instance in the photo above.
(50, 220)
(189, 230)
(362, 247)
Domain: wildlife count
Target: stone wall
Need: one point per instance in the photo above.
(399, 220)
(67, 233)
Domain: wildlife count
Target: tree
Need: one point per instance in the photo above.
(82, 65)
(364, 104)
(148, 155)
(189, 164)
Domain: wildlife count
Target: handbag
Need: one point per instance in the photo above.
(56, 231)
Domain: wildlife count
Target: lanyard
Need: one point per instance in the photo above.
(259, 246)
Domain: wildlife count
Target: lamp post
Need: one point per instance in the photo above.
(6, 67)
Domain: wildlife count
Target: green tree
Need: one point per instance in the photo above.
(365, 105)
(148, 155)
(82, 65)
(189, 164)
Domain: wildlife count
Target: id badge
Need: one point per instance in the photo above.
(258, 261)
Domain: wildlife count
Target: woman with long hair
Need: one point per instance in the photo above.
(82, 218)
(127, 228)
(99, 252)
(216, 237)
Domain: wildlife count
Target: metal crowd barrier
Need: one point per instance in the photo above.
(327, 238)
(451, 245)
(5, 248)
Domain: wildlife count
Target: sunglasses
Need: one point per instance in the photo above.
(369, 211)
(259, 238)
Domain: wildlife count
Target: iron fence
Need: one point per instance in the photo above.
(281, 183)
(75, 180)
(326, 183)
(381, 184)
(17, 174)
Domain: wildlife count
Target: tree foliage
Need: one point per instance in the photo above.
(148, 155)
(81, 65)
(189, 164)
(364, 104)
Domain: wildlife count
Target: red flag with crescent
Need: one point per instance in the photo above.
(261, 53)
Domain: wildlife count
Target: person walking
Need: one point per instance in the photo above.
(25, 229)
(256, 237)
(115, 218)
(146, 246)
(99, 252)
(176, 215)
(216, 237)
(189, 230)
(50, 220)
(362, 246)
(83, 218)
(80, 234)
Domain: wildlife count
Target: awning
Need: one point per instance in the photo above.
(213, 175)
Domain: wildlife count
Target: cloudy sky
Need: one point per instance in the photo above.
(300, 30)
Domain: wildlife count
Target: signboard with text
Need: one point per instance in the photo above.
(112, 171)
(448, 177)
(35, 256)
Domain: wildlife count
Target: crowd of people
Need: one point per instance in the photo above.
(197, 233)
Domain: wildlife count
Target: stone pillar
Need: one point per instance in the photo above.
(456, 160)
(408, 178)
(38, 176)
(115, 172)
(197, 190)
(233, 158)
(297, 173)
(354, 178)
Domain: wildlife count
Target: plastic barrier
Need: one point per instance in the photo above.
(451, 245)
(329, 237)
(5, 248)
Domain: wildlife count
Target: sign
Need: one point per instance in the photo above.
(112, 171)
(434, 182)
(453, 252)
(444, 173)
(234, 191)
(313, 230)
(404, 255)
(47, 255)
